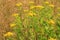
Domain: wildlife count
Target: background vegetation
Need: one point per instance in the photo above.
(29, 20)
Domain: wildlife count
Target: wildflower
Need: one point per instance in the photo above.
(8, 34)
(15, 14)
(51, 22)
(39, 7)
(18, 4)
(51, 5)
(12, 25)
(32, 7)
(31, 2)
(46, 2)
(32, 14)
(51, 39)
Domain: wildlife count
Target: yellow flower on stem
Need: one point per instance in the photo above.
(52, 39)
(52, 22)
(12, 25)
(51, 5)
(18, 4)
(15, 14)
(46, 2)
(31, 14)
(8, 34)
(39, 6)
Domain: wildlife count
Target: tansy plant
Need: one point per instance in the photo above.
(35, 23)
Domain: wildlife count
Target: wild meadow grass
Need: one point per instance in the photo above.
(39, 22)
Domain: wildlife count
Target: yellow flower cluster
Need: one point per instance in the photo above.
(52, 22)
(41, 7)
(51, 39)
(46, 2)
(18, 4)
(12, 25)
(8, 34)
(31, 14)
(15, 14)
(51, 5)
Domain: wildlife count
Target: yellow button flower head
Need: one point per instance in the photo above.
(52, 39)
(12, 25)
(39, 6)
(52, 22)
(18, 4)
(31, 14)
(46, 2)
(15, 14)
(8, 34)
(51, 5)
